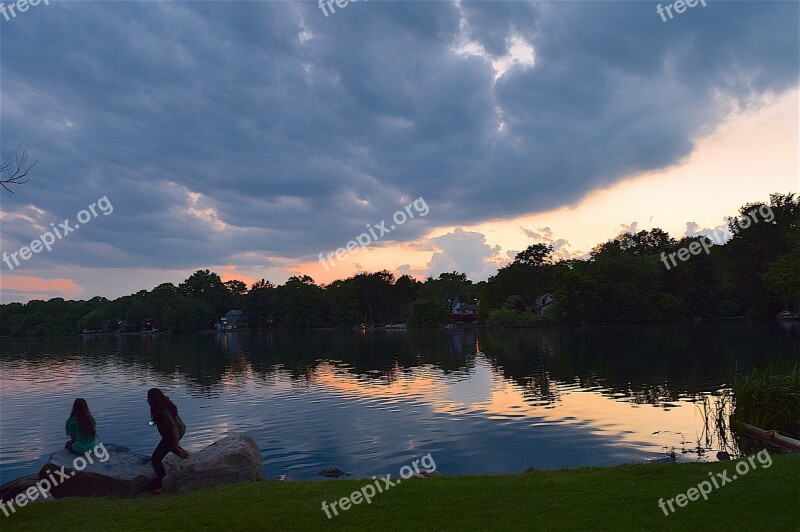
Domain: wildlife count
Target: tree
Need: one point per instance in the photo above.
(640, 244)
(258, 304)
(536, 255)
(783, 276)
(186, 314)
(447, 288)
(161, 296)
(14, 168)
(528, 276)
(207, 287)
(299, 303)
(369, 297)
(754, 245)
(405, 289)
(236, 287)
(578, 295)
(94, 320)
(427, 313)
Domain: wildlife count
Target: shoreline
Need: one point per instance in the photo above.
(457, 327)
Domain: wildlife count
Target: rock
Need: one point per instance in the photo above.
(660, 460)
(235, 458)
(12, 488)
(121, 473)
(332, 472)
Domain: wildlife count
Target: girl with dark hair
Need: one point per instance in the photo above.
(81, 428)
(164, 415)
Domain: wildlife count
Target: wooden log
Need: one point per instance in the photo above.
(772, 436)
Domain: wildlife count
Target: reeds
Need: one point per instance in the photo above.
(768, 398)
(716, 413)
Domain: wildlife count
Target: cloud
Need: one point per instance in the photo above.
(229, 273)
(719, 235)
(545, 235)
(561, 247)
(466, 252)
(25, 288)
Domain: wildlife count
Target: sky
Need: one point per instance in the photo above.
(252, 138)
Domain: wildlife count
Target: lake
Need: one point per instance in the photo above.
(486, 401)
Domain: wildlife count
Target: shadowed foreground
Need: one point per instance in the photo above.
(620, 498)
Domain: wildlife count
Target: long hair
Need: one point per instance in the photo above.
(86, 423)
(159, 401)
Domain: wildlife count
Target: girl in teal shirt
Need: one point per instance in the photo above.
(81, 428)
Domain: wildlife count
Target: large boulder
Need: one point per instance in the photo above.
(123, 473)
(232, 459)
(12, 488)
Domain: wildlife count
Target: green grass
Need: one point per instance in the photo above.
(617, 498)
(769, 398)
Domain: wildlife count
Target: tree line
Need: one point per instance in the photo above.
(623, 280)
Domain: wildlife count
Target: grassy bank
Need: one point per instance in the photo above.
(618, 498)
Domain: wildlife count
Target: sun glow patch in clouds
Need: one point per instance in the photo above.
(365, 239)
(208, 214)
(520, 51)
(197, 210)
(9, 216)
(36, 285)
(55, 233)
(230, 273)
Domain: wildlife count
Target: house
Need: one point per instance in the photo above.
(542, 303)
(234, 319)
(464, 313)
(455, 305)
(457, 308)
(468, 309)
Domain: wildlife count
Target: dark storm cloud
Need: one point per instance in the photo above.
(218, 129)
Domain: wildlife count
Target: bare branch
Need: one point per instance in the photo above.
(14, 169)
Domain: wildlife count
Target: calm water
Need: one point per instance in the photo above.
(479, 402)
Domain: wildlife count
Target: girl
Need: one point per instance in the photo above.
(164, 414)
(81, 428)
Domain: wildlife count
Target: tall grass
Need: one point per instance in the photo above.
(768, 398)
(716, 412)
